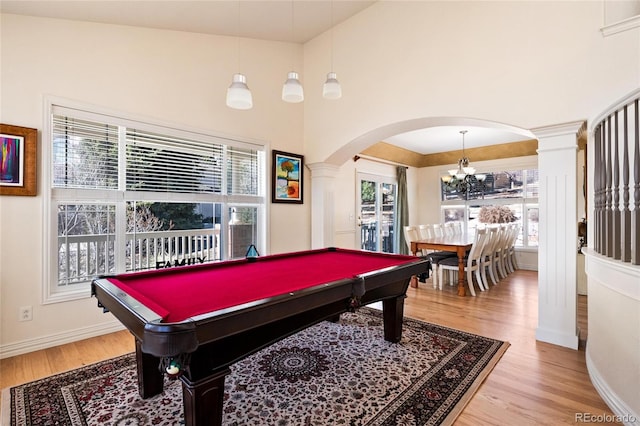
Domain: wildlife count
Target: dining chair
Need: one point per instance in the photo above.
(500, 252)
(511, 248)
(472, 262)
(411, 234)
(438, 230)
(429, 231)
(447, 228)
(487, 258)
(454, 228)
(425, 232)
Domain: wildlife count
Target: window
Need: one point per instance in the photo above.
(516, 190)
(131, 196)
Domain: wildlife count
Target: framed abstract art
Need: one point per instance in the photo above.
(18, 146)
(286, 177)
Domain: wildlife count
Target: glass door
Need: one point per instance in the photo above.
(376, 212)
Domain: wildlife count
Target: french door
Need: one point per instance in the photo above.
(376, 212)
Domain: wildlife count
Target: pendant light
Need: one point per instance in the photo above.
(238, 93)
(292, 89)
(463, 163)
(331, 88)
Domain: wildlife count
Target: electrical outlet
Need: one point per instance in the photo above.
(25, 313)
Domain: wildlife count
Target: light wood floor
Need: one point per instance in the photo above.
(534, 383)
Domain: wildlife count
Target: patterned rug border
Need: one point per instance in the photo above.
(481, 370)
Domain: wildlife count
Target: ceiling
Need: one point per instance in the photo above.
(437, 139)
(288, 21)
(291, 21)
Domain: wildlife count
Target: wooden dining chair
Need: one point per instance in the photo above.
(487, 258)
(472, 262)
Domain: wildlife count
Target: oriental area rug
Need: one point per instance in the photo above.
(341, 373)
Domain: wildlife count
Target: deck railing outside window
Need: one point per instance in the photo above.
(84, 257)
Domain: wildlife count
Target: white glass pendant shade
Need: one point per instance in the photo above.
(292, 90)
(238, 94)
(331, 88)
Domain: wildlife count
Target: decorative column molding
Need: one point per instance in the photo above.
(322, 203)
(557, 247)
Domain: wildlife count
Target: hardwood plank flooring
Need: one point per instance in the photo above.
(534, 383)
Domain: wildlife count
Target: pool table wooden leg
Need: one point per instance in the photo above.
(204, 399)
(392, 313)
(150, 379)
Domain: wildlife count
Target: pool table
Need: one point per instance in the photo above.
(193, 322)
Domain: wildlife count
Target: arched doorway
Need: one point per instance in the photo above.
(557, 150)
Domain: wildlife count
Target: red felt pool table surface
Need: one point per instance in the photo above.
(176, 294)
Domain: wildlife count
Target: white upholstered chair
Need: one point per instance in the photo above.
(472, 262)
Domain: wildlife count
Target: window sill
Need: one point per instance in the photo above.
(66, 295)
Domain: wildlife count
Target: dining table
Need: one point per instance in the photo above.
(459, 243)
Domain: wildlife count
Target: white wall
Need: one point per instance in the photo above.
(614, 334)
(167, 76)
(525, 63)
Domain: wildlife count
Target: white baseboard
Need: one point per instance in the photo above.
(620, 409)
(528, 267)
(57, 339)
(568, 340)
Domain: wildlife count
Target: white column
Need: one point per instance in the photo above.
(322, 207)
(557, 247)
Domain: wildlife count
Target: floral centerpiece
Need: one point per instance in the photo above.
(496, 214)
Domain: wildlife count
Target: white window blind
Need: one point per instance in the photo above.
(167, 164)
(85, 154)
(242, 171)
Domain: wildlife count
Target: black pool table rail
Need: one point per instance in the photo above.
(209, 344)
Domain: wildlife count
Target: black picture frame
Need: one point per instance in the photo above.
(287, 174)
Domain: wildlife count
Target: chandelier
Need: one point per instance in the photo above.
(463, 180)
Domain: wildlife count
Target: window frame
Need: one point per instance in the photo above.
(52, 292)
(497, 166)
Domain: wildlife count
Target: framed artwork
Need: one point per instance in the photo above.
(286, 177)
(18, 146)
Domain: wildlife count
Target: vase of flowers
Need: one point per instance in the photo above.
(496, 214)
